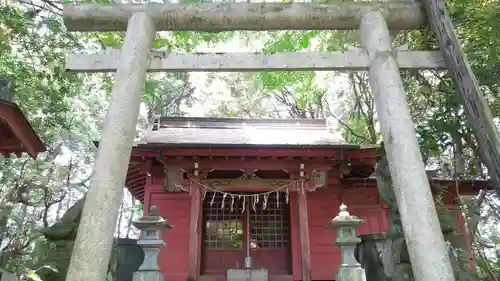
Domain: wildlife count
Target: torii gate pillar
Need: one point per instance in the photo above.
(423, 235)
(94, 240)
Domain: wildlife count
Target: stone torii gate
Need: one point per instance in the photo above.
(141, 21)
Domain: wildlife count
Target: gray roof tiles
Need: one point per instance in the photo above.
(236, 131)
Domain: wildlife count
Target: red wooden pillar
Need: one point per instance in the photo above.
(304, 234)
(195, 234)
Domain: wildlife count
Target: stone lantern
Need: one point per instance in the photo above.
(151, 242)
(346, 225)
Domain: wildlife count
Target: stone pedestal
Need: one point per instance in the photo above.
(351, 274)
(345, 225)
(148, 276)
(247, 275)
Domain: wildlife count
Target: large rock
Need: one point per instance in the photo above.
(7, 276)
(126, 259)
(384, 259)
(393, 257)
(129, 259)
(55, 251)
(385, 255)
(66, 227)
(370, 253)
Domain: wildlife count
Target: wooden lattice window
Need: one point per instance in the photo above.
(223, 226)
(226, 226)
(269, 227)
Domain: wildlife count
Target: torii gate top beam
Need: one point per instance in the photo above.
(212, 17)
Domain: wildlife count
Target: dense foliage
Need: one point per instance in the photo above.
(67, 110)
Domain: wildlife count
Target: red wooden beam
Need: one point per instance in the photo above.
(304, 235)
(138, 196)
(140, 193)
(135, 168)
(139, 155)
(465, 186)
(16, 151)
(135, 173)
(10, 144)
(137, 191)
(137, 188)
(136, 180)
(146, 165)
(366, 154)
(137, 159)
(277, 152)
(250, 164)
(195, 235)
(7, 153)
(243, 152)
(187, 184)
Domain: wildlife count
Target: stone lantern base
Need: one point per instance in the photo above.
(351, 273)
(148, 276)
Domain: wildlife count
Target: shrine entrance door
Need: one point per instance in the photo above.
(237, 227)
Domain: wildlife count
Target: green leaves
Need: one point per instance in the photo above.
(290, 88)
(289, 41)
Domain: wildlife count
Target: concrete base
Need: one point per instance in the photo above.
(247, 275)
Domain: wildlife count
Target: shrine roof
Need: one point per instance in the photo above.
(17, 135)
(240, 132)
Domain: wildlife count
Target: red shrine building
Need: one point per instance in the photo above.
(256, 193)
(16, 134)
